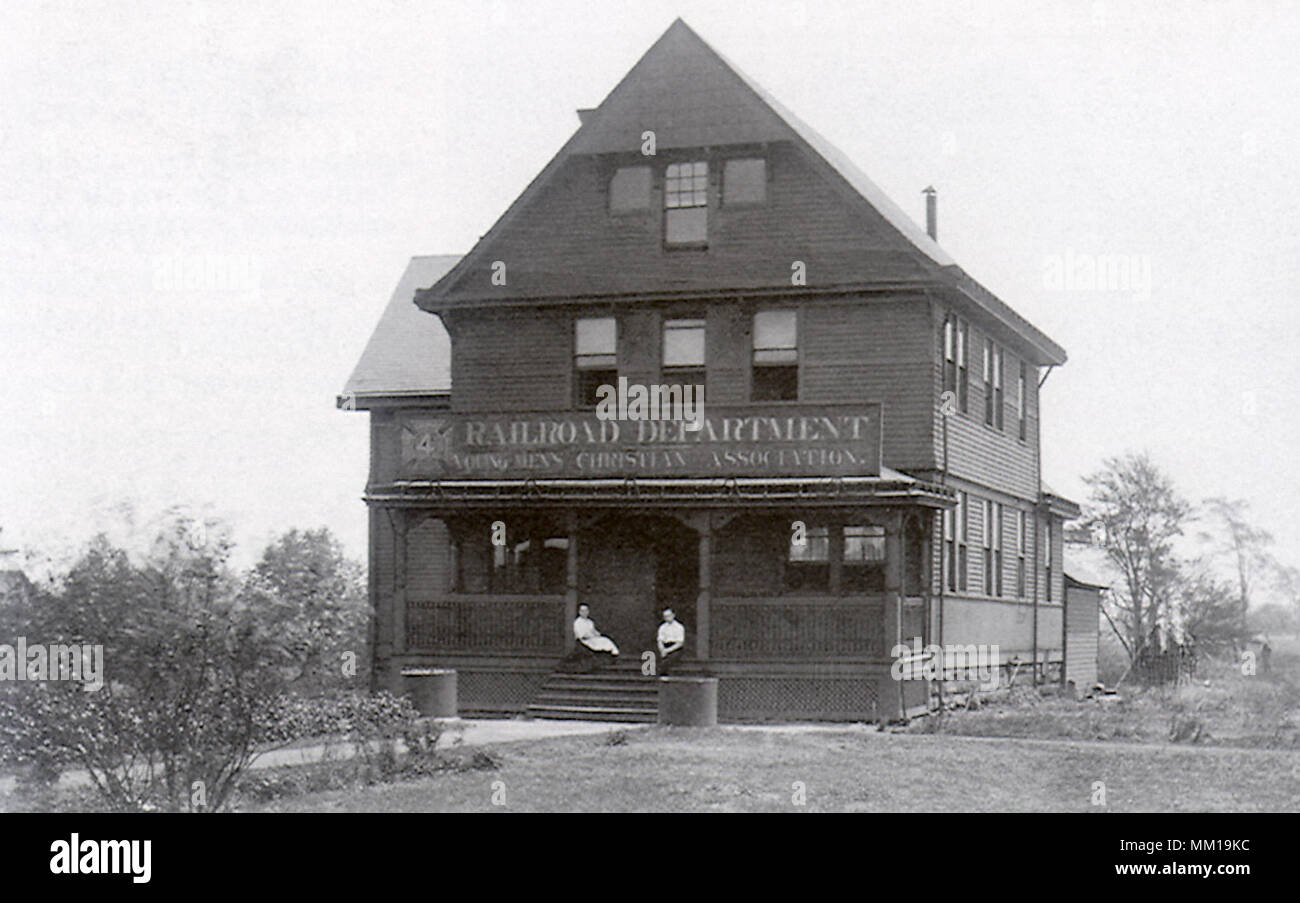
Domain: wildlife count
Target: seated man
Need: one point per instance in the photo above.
(589, 638)
(672, 640)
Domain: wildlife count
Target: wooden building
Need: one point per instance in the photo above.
(695, 232)
(1082, 619)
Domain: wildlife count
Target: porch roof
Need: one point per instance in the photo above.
(890, 488)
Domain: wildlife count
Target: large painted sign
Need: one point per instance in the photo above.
(794, 441)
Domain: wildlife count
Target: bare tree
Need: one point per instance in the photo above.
(1248, 545)
(1286, 580)
(1133, 515)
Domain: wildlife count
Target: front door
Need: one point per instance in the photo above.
(616, 577)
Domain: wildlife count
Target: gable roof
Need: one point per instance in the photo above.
(691, 96)
(409, 353)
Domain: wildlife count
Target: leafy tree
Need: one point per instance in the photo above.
(1210, 610)
(312, 603)
(200, 668)
(1273, 618)
(1134, 514)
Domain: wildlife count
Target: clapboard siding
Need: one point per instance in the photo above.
(1082, 627)
(997, 459)
(1006, 624)
(1035, 553)
(851, 350)
(869, 350)
(428, 572)
(512, 363)
(564, 242)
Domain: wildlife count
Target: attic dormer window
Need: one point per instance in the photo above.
(686, 205)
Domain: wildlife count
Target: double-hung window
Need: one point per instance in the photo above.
(686, 205)
(1021, 395)
(963, 536)
(595, 357)
(683, 357)
(988, 382)
(1022, 540)
(776, 356)
(956, 351)
(998, 360)
(950, 548)
(989, 561)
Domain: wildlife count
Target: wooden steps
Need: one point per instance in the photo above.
(619, 693)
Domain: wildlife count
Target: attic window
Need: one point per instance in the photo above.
(686, 205)
(744, 181)
(629, 190)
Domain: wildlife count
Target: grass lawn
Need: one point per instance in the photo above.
(752, 770)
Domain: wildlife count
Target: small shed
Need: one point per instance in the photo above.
(1082, 626)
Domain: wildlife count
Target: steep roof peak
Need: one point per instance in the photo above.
(690, 96)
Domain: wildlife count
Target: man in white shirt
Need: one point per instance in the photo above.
(672, 640)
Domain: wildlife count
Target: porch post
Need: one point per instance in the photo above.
(706, 582)
(890, 697)
(571, 583)
(401, 531)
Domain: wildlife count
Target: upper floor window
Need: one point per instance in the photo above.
(993, 399)
(956, 350)
(684, 351)
(744, 181)
(776, 356)
(629, 189)
(595, 357)
(988, 382)
(1020, 399)
(686, 205)
(998, 401)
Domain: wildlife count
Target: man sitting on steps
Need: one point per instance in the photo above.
(672, 639)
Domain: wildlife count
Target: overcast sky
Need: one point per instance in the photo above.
(305, 151)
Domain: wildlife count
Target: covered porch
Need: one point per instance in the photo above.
(793, 592)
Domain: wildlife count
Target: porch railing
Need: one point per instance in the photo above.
(803, 628)
(464, 623)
